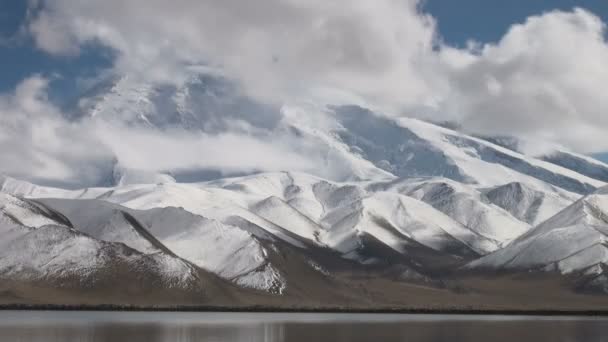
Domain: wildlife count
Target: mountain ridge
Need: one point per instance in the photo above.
(408, 205)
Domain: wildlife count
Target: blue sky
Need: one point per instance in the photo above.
(488, 20)
(458, 21)
(20, 58)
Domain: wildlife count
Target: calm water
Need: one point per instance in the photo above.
(25, 326)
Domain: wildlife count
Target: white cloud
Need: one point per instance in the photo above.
(151, 150)
(276, 49)
(545, 79)
(37, 143)
(50, 35)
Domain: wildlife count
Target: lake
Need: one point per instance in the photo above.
(26, 326)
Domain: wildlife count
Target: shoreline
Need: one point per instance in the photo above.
(336, 310)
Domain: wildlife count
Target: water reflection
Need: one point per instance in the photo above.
(184, 327)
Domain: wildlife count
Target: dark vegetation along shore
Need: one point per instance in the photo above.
(337, 310)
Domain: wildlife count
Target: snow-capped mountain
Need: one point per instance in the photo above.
(202, 103)
(225, 250)
(355, 143)
(41, 249)
(236, 228)
(574, 240)
(398, 201)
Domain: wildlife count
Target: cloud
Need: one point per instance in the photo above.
(36, 143)
(39, 144)
(544, 80)
(152, 150)
(276, 49)
(49, 35)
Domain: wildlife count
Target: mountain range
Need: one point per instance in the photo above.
(405, 213)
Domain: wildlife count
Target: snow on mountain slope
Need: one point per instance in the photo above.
(491, 165)
(243, 248)
(294, 206)
(582, 164)
(270, 196)
(104, 221)
(17, 212)
(466, 205)
(410, 148)
(62, 255)
(203, 102)
(391, 146)
(276, 202)
(395, 220)
(282, 214)
(322, 201)
(19, 217)
(242, 228)
(227, 251)
(212, 202)
(342, 160)
(38, 244)
(573, 240)
(126, 100)
(317, 197)
(527, 204)
(224, 199)
(423, 222)
(296, 189)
